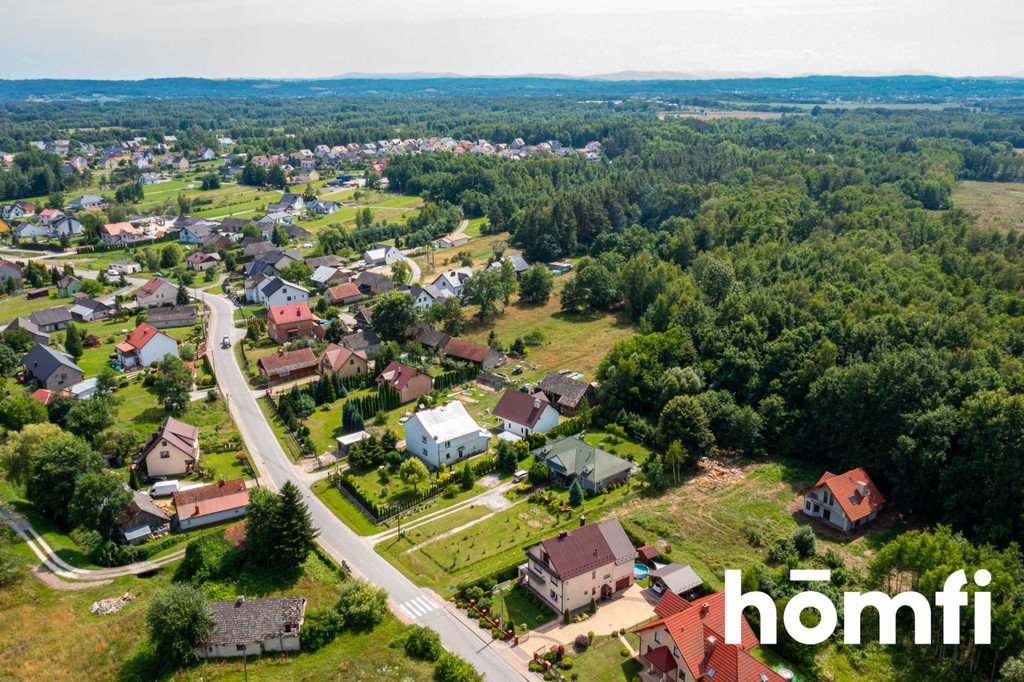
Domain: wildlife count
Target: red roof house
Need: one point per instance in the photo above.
(144, 346)
(522, 414)
(293, 321)
(477, 353)
(286, 365)
(408, 381)
(845, 501)
(208, 504)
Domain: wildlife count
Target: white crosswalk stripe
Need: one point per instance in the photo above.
(418, 607)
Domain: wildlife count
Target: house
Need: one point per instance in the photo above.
(250, 627)
(591, 562)
(258, 248)
(277, 292)
(26, 231)
(293, 321)
(366, 341)
(141, 519)
(343, 294)
(175, 316)
(381, 254)
(86, 310)
(51, 319)
(844, 501)
(125, 267)
(172, 450)
(271, 263)
(120, 233)
(321, 207)
(85, 389)
(297, 233)
(444, 435)
(150, 179)
(156, 292)
(566, 393)
(200, 261)
(329, 260)
(144, 346)
(288, 203)
(29, 326)
(373, 283)
(477, 353)
(424, 297)
(87, 202)
(364, 318)
(67, 285)
(287, 365)
(65, 226)
(453, 281)
(19, 209)
(408, 381)
(208, 504)
(678, 579)
(686, 642)
(451, 240)
(51, 369)
(215, 242)
(11, 272)
(176, 162)
(252, 286)
(573, 459)
(344, 362)
(428, 336)
(519, 264)
(206, 154)
(328, 275)
(522, 414)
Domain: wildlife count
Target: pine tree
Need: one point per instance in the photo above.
(330, 393)
(133, 479)
(182, 297)
(466, 478)
(576, 493)
(294, 533)
(73, 342)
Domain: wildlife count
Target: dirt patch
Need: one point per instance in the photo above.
(55, 583)
(715, 474)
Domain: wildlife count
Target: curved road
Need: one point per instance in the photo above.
(339, 540)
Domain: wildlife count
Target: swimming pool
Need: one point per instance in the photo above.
(640, 571)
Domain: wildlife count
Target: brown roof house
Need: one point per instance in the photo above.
(566, 393)
(141, 519)
(343, 294)
(251, 627)
(208, 504)
(845, 501)
(594, 561)
(408, 381)
(343, 361)
(172, 450)
(286, 365)
(477, 353)
(522, 414)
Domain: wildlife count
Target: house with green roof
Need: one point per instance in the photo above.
(572, 458)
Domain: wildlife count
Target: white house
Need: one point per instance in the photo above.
(453, 281)
(846, 501)
(382, 254)
(250, 627)
(144, 346)
(424, 297)
(209, 504)
(156, 292)
(444, 435)
(451, 241)
(276, 291)
(522, 414)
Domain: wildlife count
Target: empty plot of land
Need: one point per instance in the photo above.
(998, 205)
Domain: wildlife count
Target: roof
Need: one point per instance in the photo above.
(648, 553)
(289, 361)
(455, 278)
(467, 350)
(28, 325)
(447, 422)
(293, 312)
(568, 390)
(429, 336)
(855, 492)
(340, 292)
(181, 312)
(276, 284)
(369, 278)
(350, 438)
(362, 341)
(141, 503)
(398, 375)
(200, 257)
(152, 286)
(142, 335)
(678, 578)
(45, 395)
(662, 659)
(210, 499)
(587, 548)
(42, 361)
(66, 281)
(521, 408)
(55, 315)
(574, 456)
(336, 356)
(183, 436)
(247, 621)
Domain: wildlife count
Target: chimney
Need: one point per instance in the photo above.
(241, 600)
(536, 403)
(583, 520)
(704, 608)
(709, 645)
(563, 535)
(220, 483)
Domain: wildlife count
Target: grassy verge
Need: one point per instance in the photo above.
(342, 508)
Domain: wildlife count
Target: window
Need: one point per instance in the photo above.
(554, 596)
(807, 505)
(675, 651)
(424, 452)
(424, 439)
(164, 454)
(657, 638)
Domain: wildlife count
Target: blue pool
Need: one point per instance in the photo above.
(640, 571)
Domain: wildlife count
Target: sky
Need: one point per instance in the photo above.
(130, 39)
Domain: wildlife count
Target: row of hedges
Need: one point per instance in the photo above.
(455, 377)
(385, 400)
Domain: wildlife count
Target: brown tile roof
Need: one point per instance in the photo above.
(210, 499)
(151, 287)
(183, 436)
(340, 292)
(289, 361)
(521, 408)
(398, 375)
(466, 350)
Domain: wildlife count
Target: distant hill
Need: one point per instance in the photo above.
(808, 89)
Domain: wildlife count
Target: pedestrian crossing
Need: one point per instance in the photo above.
(418, 607)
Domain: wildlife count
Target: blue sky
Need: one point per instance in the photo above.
(316, 38)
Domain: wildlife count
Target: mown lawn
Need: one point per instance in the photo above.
(603, 661)
(20, 306)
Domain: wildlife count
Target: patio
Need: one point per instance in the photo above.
(631, 607)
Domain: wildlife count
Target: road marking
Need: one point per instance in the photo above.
(418, 607)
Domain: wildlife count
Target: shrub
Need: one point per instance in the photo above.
(535, 666)
(781, 551)
(321, 627)
(624, 652)
(474, 594)
(361, 605)
(567, 617)
(208, 558)
(179, 619)
(581, 643)
(424, 644)
(451, 668)
(805, 541)
(567, 663)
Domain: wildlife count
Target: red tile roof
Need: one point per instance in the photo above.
(467, 350)
(340, 292)
(521, 408)
(337, 356)
(662, 659)
(141, 335)
(855, 492)
(293, 312)
(210, 499)
(398, 375)
(150, 287)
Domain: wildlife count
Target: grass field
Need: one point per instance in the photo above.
(603, 662)
(20, 306)
(998, 205)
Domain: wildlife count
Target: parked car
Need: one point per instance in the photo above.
(225, 342)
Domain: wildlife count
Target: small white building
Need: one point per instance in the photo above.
(156, 292)
(144, 346)
(425, 297)
(276, 291)
(251, 627)
(453, 281)
(522, 414)
(444, 435)
(381, 254)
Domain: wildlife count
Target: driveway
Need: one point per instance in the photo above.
(624, 611)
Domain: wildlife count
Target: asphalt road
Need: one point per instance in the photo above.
(341, 542)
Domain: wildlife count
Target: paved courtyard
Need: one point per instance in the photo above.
(628, 608)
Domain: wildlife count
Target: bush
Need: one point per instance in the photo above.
(566, 663)
(624, 652)
(208, 558)
(179, 619)
(424, 644)
(535, 666)
(320, 628)
(581, 643)
(805, 541)
(781, 551)
(361, 605)
(451, 668)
